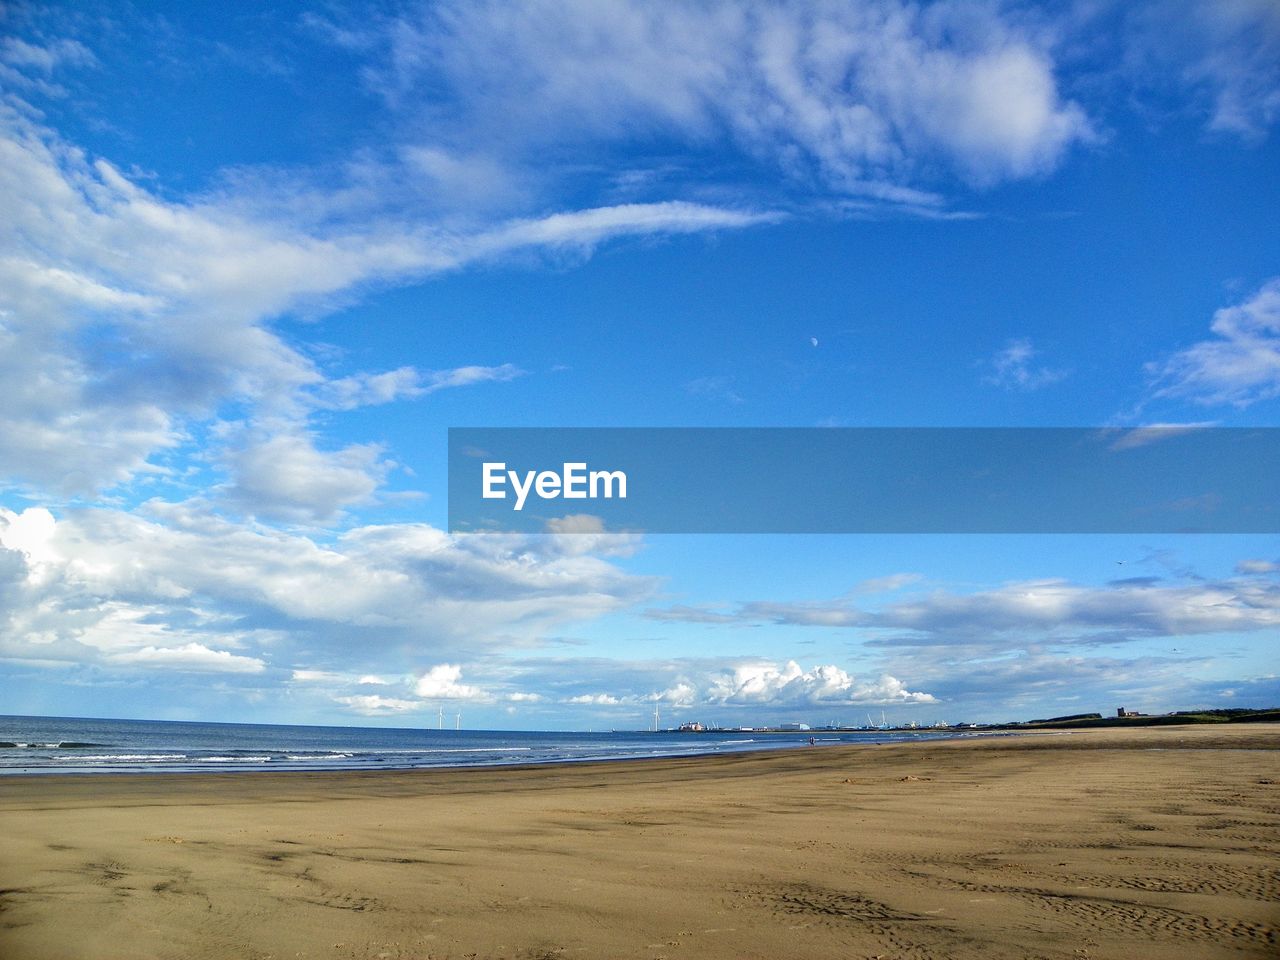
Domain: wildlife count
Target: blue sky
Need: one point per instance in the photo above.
(254, 263)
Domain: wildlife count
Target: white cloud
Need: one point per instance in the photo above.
(715, 388)
(467, 182)
(283, 476)
(372, 705)
(892, 582)
(1240, 367)
(29, 67)
(866, 96)
(374, 389)
(1227, 53)
(49, 612)
(31, 533)
(684, 613)
(1012, 368)
(582, 230)
(1254, 567)
(1031, 611)
(1138, 608)
(712, 683)
(595, 699)
(766, 683)
(190, 656)
(1154, 433)
(368, 389)
(126, 317)
(465, 376)
(441, 683)
(45, 59)
(97, 583)
(315, 676)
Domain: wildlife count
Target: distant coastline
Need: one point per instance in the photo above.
(1124, 718)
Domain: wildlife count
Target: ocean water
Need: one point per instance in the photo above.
(72, 745)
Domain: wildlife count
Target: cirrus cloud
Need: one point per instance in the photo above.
(1239, 367)
(865, 97)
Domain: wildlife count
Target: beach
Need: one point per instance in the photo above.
(1152, 842)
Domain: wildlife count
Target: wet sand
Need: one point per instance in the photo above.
(1156, 842)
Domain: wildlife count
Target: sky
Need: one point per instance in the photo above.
(257, 259)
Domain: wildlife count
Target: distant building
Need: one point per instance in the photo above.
(693, 726)
(793, 726)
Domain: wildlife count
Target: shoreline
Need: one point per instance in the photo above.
(179, 758)
(1157, 842)
(95, 778)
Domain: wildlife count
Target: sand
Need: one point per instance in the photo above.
(1129, 844)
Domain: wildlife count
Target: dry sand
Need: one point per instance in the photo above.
(1134, 844)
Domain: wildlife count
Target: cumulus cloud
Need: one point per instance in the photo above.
(282, 476)
(636, 687)
(1240, 366)
(101, 584)
(50, 614)
(595, 699)
(441, 683)
(765, 683)
(585, 534)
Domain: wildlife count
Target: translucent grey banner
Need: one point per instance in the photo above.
(865, 480)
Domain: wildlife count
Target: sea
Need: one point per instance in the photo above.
(63, 745)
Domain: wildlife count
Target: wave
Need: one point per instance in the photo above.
(235, 759)
(471, 750)
(59, 745)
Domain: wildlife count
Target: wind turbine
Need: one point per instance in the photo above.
(457, 721)
(655, 717)
(440, 719)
